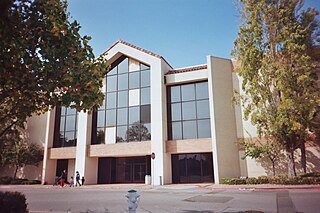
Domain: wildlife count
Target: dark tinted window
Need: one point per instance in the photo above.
(145, 114)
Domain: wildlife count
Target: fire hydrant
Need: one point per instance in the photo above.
(132, 200)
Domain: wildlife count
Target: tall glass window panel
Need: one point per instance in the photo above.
(70, 123)
(70, 139)
(202, 90)
(122, 116)
(134, 115)
(145, 114)
(175, 112)
(111, 117)
(204, 128)
(123, 82)
(62, 123)
(101, 118)
(188, 92)
(121, 134)
(203, 109)
(71, 111)
(189, 129)
(134, 80)
(123, 67)
(176, 131)
(145, 132)
(145, 78)
(175, 94)
(123, 99)
(111, 83)
(188, 110)
(206, 163)
(112, 71)
(145, 96)
(183, 168)
(143, 66)
(111, 100)
(194, 167)
(100, 135)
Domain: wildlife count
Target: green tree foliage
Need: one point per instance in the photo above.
(18, 153)
(279, 77)
(262, 148)
(44, 62)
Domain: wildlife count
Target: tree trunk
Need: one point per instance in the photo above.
(303, 156)
(15, 172)
(273, 168)
(291, 163)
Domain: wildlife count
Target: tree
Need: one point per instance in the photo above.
(259, 149)
(17, 152)
(44, 62)
(279, 77)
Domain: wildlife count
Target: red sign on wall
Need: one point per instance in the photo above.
(153, 156)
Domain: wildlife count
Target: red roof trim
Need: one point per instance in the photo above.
(187, 69)
(138, 48)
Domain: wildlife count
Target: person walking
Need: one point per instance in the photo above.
(78, 178)
(63, 178)
(71, 182)
(82, 180)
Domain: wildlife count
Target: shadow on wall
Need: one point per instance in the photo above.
(28, 172)
(312, 156)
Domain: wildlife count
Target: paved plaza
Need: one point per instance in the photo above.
(172, 198)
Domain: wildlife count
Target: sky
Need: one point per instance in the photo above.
(184, 32)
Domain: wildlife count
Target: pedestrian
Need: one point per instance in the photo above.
(71, 182)
(82, 180)
(63, 177)
(56, 181)
(78, 179)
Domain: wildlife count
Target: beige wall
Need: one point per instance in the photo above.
(223, 121)
(189, 146)
(62, 153)
(120, 149)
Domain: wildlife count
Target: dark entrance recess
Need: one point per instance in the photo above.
(123, 170)
(192, 168)
(61, 165)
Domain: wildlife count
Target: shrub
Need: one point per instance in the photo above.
(18, 181)
(5, 180)
(13, 202)
(233, 181)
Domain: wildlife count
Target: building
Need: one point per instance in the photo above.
(184, 117)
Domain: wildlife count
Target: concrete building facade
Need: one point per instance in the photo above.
(184, 118)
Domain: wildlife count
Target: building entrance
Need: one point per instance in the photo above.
(124, 170)
(192, 168)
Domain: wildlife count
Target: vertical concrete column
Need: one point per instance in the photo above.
(223, 121)
(49, 166)
(87, 167)
(158, 124)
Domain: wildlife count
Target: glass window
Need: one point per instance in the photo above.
(123, 82)
(62, 122)
(100, 118)
(189, 129)
(71, 111)
(145, 114)
(175, 94)
(203, 109)
(145, 95)
(70, 123)
(111, 83)
(70, 139)
(134, 115)
(123, 99)
(113, 71)
(202, 90)
(134, 132)
(176, 112)
(145, 78)
(111, 117)
(111, 100)
(143, 66)
(121, 134)
(176, 130)
(188, 110)
(123, 67)
(204, 128)
(188, 92)
(100, 135)
(134, 97)
(134, 80)
(145, 132)
(122, 116)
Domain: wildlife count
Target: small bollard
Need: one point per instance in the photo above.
(132, 200)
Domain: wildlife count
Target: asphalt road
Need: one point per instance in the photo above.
(181, 199)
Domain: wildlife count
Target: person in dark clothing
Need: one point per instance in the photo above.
(63, 178)
(78, 179)
(82, 180)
